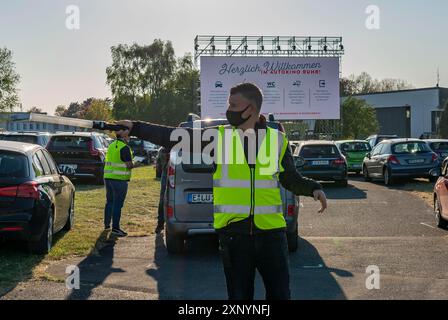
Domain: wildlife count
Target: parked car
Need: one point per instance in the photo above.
(40, 138)
(322, 161)
(354, 152)
(441, 197)
(188, 201)
(36, 200)
(145, 149)
(377, 138)
(401, 158)
(439, 146)
(79, 154)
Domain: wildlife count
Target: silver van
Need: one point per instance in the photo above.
(188, 203)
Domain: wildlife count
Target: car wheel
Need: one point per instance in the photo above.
(365, 172)
(388, 180)
(175, 244)
(45, 242)
(71, 215)
(293, 240)
(441, 223)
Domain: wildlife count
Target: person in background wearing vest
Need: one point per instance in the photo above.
(117, 173)
(248, 215)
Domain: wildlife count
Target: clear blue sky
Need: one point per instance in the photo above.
(58, 66)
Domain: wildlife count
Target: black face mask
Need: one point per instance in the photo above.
(235, 117)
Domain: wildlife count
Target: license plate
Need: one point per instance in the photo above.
(356, 166)
(416, 161)
(68, 169)
(200, 198)
(320, 163)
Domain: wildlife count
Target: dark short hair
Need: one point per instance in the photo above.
(249, 91)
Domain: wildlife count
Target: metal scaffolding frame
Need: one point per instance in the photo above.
(288, 46)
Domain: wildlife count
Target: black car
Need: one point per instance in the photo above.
(439, 146)
(40, 138)
(36, 200)
(322, 161)
(79, 154)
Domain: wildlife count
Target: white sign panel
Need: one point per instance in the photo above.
(293, 87)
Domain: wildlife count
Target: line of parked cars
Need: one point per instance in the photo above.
(36, 191)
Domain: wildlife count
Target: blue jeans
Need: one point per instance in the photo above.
(116, 191)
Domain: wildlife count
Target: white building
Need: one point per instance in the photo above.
(6, 124)
(408, 113)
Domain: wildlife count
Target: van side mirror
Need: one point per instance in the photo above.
(299, 162)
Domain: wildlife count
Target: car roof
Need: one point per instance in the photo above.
(347, 141)
(75, 134)
(18, 146)
(436, 140)
(400, 140)
(26, 133)
(317, 142)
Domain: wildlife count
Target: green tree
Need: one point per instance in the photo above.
(35, 110)
(443, 124)
(358, 119)
(60, 111)
(99, 109)
(364, 83)
(9, 79)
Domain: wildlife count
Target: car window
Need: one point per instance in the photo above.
(37, 166)
(44, 163)
(51, 163)
(410, 147)
(21, 138)
(70, 142)
(376, 150)
(319, 151)
(13, 165)
(355, 147)
(439, 146)
(98, 143)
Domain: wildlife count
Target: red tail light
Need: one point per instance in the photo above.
(435, 157)
(290, 211)
(169, 211)
(11, 229)
(171, 173)
(28, 190)
(8, 191)
(339, 161)
(93, 152)
(393, 159)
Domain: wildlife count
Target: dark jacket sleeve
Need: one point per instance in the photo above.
(293, 181)
(154, 133)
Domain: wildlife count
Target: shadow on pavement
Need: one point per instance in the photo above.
(198, 274)
(311, 278)
(96, 267)
(335, 192)
(17, 263)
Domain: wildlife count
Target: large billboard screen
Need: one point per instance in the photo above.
(293, 87)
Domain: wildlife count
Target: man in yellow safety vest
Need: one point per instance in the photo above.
(251, 160)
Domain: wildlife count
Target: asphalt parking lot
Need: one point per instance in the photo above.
(366, 225)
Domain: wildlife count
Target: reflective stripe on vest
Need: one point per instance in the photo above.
(114, 167)
(239, 191)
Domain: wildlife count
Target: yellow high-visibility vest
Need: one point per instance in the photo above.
(239, 190)
(114, 167)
